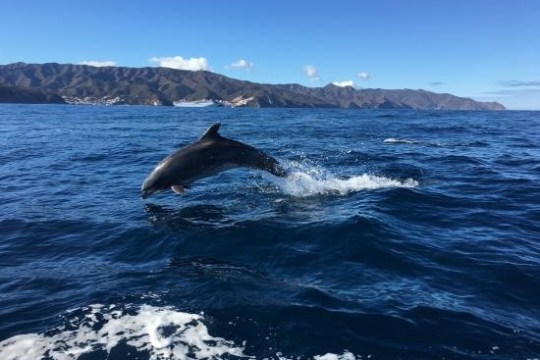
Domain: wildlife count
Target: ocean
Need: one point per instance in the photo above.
(399, 234)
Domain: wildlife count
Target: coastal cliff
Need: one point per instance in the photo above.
(21, 95)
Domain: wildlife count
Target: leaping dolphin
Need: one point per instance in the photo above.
(208, 156)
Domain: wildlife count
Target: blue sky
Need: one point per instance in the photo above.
(487, 50)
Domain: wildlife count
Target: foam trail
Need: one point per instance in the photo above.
(311, 181)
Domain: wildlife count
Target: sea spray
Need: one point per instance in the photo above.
(307, 180)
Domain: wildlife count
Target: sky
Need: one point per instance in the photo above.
(488, 50)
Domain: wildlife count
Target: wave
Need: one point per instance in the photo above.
(399, 141)
(436, 144)
(157, 332)
(305, 181)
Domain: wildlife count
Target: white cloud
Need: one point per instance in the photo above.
(241, 64)
(98, 63)
(364, 75)
(179, 63)
(345, 83)
(312, 72)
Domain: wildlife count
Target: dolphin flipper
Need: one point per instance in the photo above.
(178, 189)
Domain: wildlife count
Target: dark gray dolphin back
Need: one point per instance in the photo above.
(245, 155)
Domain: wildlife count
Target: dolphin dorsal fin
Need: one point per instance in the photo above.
(212, 132)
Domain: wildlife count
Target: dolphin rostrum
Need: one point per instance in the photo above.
(208, 156)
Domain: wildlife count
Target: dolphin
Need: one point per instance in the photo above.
(207, 156)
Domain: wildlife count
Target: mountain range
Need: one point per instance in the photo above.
(83, 84)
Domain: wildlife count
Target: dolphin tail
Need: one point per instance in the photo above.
(271, 165)
(278, 171)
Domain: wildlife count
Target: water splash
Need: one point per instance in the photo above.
(304, 181)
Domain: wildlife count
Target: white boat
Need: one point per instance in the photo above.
(195, 103)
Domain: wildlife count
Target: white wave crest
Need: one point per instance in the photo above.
(398, 141)
(163, 333)
(311, 181)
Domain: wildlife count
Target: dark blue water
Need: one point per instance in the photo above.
(399, 235)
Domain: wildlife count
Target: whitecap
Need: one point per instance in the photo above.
(398, 141)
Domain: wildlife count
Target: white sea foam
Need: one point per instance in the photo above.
(305, 181)
(163, 333)
(160, 332)
(330, 356)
